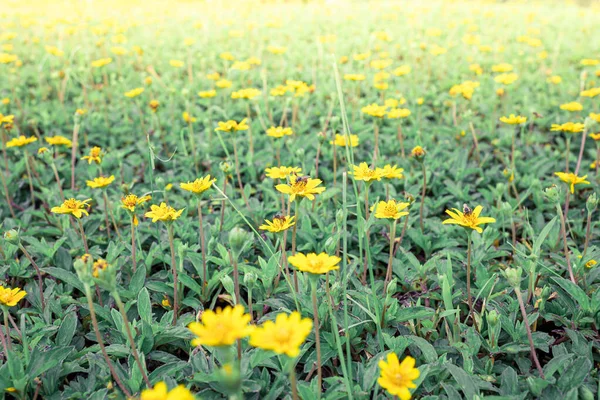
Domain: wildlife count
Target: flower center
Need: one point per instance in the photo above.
(71, 204)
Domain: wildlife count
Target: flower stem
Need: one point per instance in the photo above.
(130, 337)
(39, 274)
(317, 337)
(376, 149)
(88, 294)
(7, 328)
(133, 246)
(366, 262)
(174, 272)
(7, 196)
(293, 379)
(422, 195)
(57, 177)
(529, 336)
(28, 167)
(294, 242)
(74, 142)
(237, 171)
(85, 243)
(563, 232)
(203, 250)
(112, 216)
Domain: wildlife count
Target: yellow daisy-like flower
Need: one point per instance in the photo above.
(572, 179)
(20, 141)
(198, 186)
(402, 70)
(315, 263)
(374, 110)
(282, 172)
(94, 156)
(390, 209)
(554, 79)
(284, 336)
(134, 92)
(362, 172)
(278, 50)
(302, 186)
(468, 218)
(513, 119)
(340, 140)
(72, 206)
(595, 136)
(595, 117)
(163, 213)
(176, 63)
(232, 125)
(396, 113)
(593, 92)
(418, 152)
(160, 391)
(221, 327)
(223, 83)
(279, 132)
(10, 297)
(354, 77)
(572, 106)
(573, 127)
(397, 377)
(131, 201)
(507, 79)
(100, 182)
(187, 117)
(391, 172)
(206, 94)
(248, 94)
(280, 223)
(503, 67)
(590, 264)
(101, 62)
(58, 141)
(589, 62)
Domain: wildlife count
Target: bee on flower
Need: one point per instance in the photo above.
(300, 187)
(279, 223)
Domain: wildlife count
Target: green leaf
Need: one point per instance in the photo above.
(144, 306)
(65, 276)
(41, 362)
(67, 329)
(464, 380)
(574, 291)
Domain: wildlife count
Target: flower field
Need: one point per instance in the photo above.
(299, 200)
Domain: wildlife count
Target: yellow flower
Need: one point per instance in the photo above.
(381, 64)
(100, 182)
(279, 132)
(134, 92)
(205, 94)
(95, 155)
(420, 101)
(506, 79)
(249, 94)
(176, 63)
(55, 51)
(154, 104)
(5, 101)
(390, 209)
(573, 127)
(232, 125)
(161, 392)
(595, 136)
(418, 152)
(362, 172)
(282, 172)
(101, 62)
(391, 172)
(99, 265)
(572, 106)
(81, 111)
(187, 117)
(284, 336)
(10, 297)
(241, 66)
(554, 79)
(276, 49)
(198, 186)
(395, 113)
(72, 206)
(572, 179)
(466, 89)
(398, 377)
(163, 213)
(468, 218)
(58, 141)
(354, 77)
(513, 119)
(280, 90)
(221, 327)
(165, 302)
(374, 110)
(223, 83)
(402, 70)
(118, 50)
(253, 61)
(503, 67)
(361, 56)
(593, 92)
(303, 186)
(213, 76)
(590, 264)
(595, 117)
(314, 263)
(20, 141)
(279, 223)
(589, 62)
(131, 201)
(340, 140)
(42, 150)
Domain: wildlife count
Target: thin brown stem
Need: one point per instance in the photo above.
(422, 196)
(317, 339)
(174, 272)
(529, 335)
(563, 232)
(85, 243)
(203, 249)
(39, 275)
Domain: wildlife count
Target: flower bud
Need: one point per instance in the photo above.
(238, 238)
(250, 279)
(513, 276)
(591, 203)
(552, 193)
(492, 318)
(11, 236)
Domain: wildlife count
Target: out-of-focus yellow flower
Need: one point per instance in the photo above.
(176, 63)
(94, 156)
(213, 76)
(134, 92)
(223, 83)
(58, 141)
(20, 141)
(340, 140)
(206, 94)
(232, 126)
(466, 89)
(279, 132)
(513, 119)
(276, 49)
(572, 106)
(587, 62)
(282, 172)
(249, 94)
(396, 113)
(507, 79)
(354, 77)
(154, 104)
(571, 179)
(402, 70)
(101, 62)
(503, 67)
(241, 66)
(187, 117)
(100, 182)
(55, 51)
(591, 263)
(554, 79)
(161, 392)
(593, 92)
(381, 64)
(418, 152)
(118, 50)
(163, 213)
(374, 110)
(595, 117)
(361, 56)
(573, 127)
(227, 56)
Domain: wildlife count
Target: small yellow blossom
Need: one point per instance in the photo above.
(283, 336)
(513, 119)
(198, 186)
(10, 297)
(303, 186)
(390, 209)
(280, 223)
(279, 132)
(314, 263)
(398, 377)
(20, 141)
(572, 179)
(72, 206)
(221, 327)
(468, 218)
(58, 141)
(340, 140)
(282, 172)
